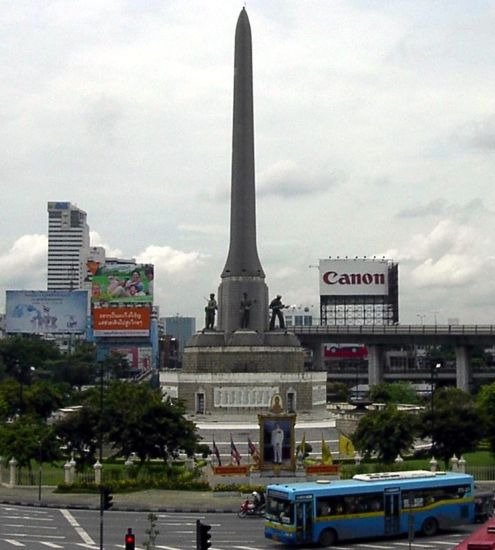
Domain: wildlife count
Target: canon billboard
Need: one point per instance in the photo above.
(353, 277)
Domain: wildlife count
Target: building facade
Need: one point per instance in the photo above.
(68, 246)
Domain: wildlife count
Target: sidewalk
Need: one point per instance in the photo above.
(151, 500)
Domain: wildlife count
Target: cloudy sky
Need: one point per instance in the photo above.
(375, 135)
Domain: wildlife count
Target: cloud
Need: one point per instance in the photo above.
(442, 208)
(285, 179)
(24, 265)
(96, 240)
(172, 262)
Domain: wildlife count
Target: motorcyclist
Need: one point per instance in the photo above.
(258, 499)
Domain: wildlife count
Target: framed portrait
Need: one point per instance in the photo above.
(277, 441)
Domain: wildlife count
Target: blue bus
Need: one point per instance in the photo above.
(381, 504)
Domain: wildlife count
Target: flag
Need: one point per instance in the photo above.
(326, 455)
(217, 452)
(302, 447)
(345, 446)
(252, 447)
(234, 453)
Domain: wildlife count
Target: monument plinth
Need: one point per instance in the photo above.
(239, 366)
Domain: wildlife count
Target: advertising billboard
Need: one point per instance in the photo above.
(353, 278)
(137, 357)
(46, 312)
(121, 321)
(132, 283)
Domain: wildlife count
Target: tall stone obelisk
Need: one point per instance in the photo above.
(243, 272)
(233, 368)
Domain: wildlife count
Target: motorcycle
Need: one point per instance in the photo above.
(249, 508)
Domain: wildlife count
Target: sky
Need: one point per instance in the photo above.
(374, 136)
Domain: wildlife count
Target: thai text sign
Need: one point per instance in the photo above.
(121, 321)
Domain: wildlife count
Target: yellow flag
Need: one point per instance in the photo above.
(345, 446)
(326, 455)
(302, 448)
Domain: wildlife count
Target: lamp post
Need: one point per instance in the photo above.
(434, 366)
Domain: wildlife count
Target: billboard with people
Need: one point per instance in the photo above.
(122, 283)
(46, 312)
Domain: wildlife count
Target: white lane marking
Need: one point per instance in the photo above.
(375, 546)
(90, 546)
(24, 535)
(251, 547)
(414, 544)
(51, 544)
(79, 530)
(28, 526)
(14, 542)
(167, 547)
(31, 518)
(444, 542)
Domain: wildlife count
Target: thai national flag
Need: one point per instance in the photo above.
(234, 452)
(252, 447)
(217, 453)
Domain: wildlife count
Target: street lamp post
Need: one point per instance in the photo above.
(434, 366)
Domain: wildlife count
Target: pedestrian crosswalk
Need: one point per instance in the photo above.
(432, 544)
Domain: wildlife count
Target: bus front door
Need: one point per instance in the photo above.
(392, 511)
(304, 521)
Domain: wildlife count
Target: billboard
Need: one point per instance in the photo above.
(131, 283)
(353, 278)
(345, 351)
(121, 321)
(46, 312)
(138, 357)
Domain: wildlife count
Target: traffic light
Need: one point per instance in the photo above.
(107, 498)
(202, 536)
(130, 540)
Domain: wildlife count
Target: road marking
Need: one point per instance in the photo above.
(444, 542)
(28, 526)
(14, 542)
(251, 547)
(375, 546)
(31, 535)
(31, 518)
(79, 530)
(167, 547)
(51, 544)
(414, 544)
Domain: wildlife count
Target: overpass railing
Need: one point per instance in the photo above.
(395, 329)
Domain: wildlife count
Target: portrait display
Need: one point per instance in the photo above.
(277, 441)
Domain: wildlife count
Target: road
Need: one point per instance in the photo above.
(26, 528)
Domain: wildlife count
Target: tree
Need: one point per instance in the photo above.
(397, 392)
(25, 437)
(17, 352)
(138, 420)
(485, 406)
(454, 424)
(387, 432)
(78, 433)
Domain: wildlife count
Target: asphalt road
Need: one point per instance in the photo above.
(28, 528)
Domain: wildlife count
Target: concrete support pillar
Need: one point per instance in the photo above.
(318, 360)
(376, 364)
(13, 472)
(67, 473)
(97, 468)
(463, 367)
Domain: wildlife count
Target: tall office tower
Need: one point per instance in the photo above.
(68, 246)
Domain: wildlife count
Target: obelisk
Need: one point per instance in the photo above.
(243, 273)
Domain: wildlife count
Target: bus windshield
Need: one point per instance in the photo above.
(279, 510)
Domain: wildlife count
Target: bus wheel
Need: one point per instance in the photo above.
(328, 537)
(430, 527)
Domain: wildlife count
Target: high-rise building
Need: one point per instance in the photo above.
(181, 328)
(68, 246)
